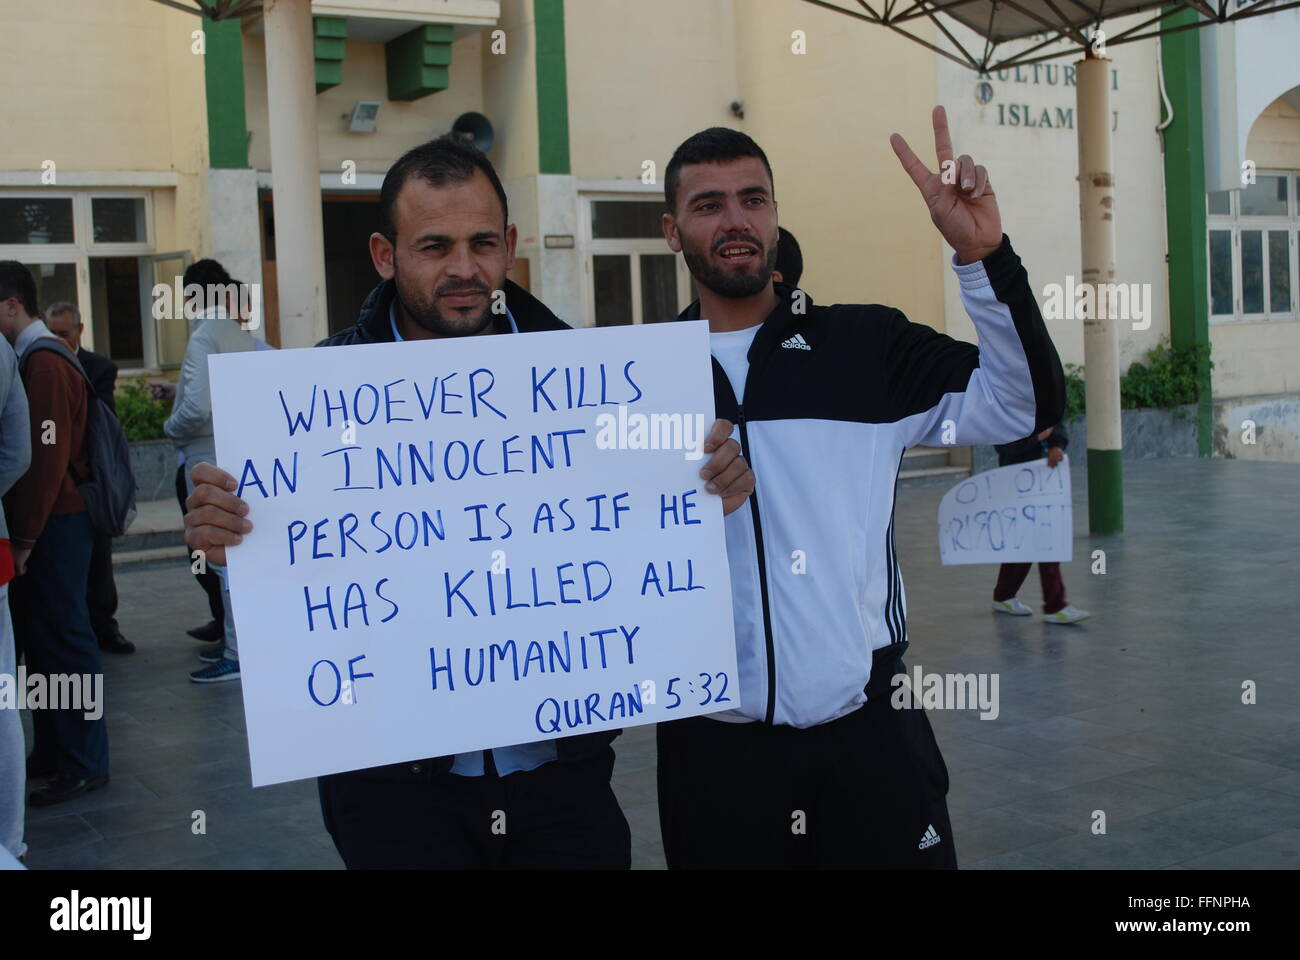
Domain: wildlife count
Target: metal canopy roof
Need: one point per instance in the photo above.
(1058, 22)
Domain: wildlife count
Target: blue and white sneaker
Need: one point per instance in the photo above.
(213, 654)
(220, 671)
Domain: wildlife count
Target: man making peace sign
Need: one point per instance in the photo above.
(815, 768)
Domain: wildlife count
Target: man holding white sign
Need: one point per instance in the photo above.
(814, 769)
(444, 251)
(1049, 443)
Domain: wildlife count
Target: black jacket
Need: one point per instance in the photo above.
(102, 373)
(531, 315)
(372, 326)
(1030, 448)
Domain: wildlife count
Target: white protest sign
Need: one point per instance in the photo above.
(1015, 514)
(469, 543)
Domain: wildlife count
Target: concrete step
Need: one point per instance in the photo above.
(921, 458)
(933, 472)
(921, 463)
(157, 533)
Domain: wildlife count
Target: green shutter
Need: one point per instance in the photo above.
(223, 77)
(419, 62)
(552, 88)
(330, 39)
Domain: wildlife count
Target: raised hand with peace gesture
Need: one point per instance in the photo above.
(959, 196)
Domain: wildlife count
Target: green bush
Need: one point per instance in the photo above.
(141, 415)
(1165, 379)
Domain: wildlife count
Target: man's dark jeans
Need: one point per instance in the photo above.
(50, 614)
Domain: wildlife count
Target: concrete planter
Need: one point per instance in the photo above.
(154, 464)
(1147, 434)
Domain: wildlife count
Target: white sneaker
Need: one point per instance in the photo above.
(1014, 606)
(1066, 614)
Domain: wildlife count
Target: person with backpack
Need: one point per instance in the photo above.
(52, 536)
(220, 329)
(64, 321)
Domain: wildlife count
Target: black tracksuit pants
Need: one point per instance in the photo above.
(208, 579)
(866, 791)
(561, 816)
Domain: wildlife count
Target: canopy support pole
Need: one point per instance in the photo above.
(1100, 332)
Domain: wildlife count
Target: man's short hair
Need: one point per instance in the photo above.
(446, 159)
(789, 258)
(16, 281)
(54, 309)
(204, 272)
(714, 145)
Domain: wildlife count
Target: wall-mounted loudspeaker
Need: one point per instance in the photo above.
(475, 129)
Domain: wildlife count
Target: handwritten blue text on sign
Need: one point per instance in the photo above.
(1015, 514)
(469, 543)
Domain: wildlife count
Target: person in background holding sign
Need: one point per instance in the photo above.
(52, 537)
(815, 769)
(1049, 443)
(445, 246)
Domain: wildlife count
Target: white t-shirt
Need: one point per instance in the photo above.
(731, 349)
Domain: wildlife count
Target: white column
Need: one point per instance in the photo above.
(1100, 333)
(295, 171)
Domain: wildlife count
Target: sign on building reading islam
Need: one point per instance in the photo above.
(1023, 114)
(1015, 514)
(462, 544)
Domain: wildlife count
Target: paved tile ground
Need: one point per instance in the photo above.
(1136, 713)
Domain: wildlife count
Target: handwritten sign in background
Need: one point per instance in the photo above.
(441, 562)
(1015, 514)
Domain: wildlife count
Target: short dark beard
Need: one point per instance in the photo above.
(425, 313)
(731, 286)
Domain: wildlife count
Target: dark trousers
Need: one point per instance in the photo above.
(101, 590)
(561, 816)
(1011, 577)
(208, 580)
(49, 611)
(866, 791)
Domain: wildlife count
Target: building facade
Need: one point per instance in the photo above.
(147, 138)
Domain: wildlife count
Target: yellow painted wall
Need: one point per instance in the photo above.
(824, 118)
(510, 93)
(642, 77)
(131, 60)
(109, 86)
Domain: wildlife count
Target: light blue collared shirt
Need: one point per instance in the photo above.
(522, 756)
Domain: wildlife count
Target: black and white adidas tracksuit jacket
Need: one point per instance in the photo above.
(824, 429)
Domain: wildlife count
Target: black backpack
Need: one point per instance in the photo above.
(109, 491)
